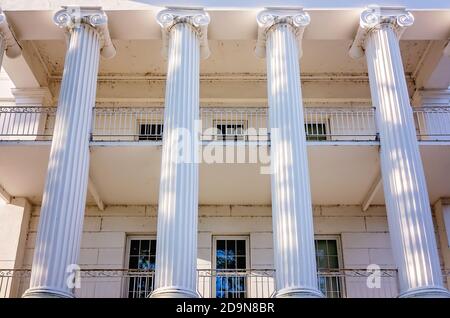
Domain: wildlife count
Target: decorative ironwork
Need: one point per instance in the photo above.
(260, 283)
(248, 124)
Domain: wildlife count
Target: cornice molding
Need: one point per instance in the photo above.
(71, 17)
(243, 77)
(372, 18)
(271, 17)
(234, 102)
(12, 47)
(198, 19)
(32, 95)
(431, 98)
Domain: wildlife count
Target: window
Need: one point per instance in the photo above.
(150, 132)
(231, 260)
(230, 130)
(315, 131)
(327, 258)
(141, 263)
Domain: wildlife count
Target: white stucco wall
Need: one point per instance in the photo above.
(14, 221)
(442, 213)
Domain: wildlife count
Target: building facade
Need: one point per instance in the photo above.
(217, 150)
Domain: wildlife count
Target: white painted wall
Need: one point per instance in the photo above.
(14, 220)
(442, 218)
(6, 97)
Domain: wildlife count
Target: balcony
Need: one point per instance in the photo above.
(131, 124)
(215, 283)
(125, 153)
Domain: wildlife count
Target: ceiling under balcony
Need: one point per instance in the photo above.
(130, 174)
(142, 58)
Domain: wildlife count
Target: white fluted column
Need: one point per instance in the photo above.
(8, 42)
(184, 34)
(280, 34)
(408, 207)
(61, 218)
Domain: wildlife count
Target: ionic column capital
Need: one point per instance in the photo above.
(373, 18)
(270, 18)
(71, 17)
(12, 47)
(198, 19)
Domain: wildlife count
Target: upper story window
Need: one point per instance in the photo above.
(152, 132)
(316, 131)
(230, 130)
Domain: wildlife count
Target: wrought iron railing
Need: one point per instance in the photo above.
(215, 124)
(219, 124)
(233, 124)
(433, 123)
(26, 123)
(236, 283)
(212, 283)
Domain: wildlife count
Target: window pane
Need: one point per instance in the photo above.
(133, 262)
(241, 247)
(220, 245)
(142, 257)
(131, 288)
(221, 129)
(153, 247)
(134, 247)
(220, 261)
(241, 262)
(145, 247)
(231, 262)
(327, 260)
(333, 262)
(315, 131)
(231, 255)
(231, 248)
(150, 131)
(144, 262)
(332, 247)
(321, 247)
(220, 254)
(142, 129)
(152, 262)
(322, 262)
(322, 284)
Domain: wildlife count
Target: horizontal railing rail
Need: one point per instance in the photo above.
(219, 123)
(212, 283)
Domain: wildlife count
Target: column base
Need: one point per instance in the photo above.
(45, 292)
(426, 292)
(298, 293)
(173, 292)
